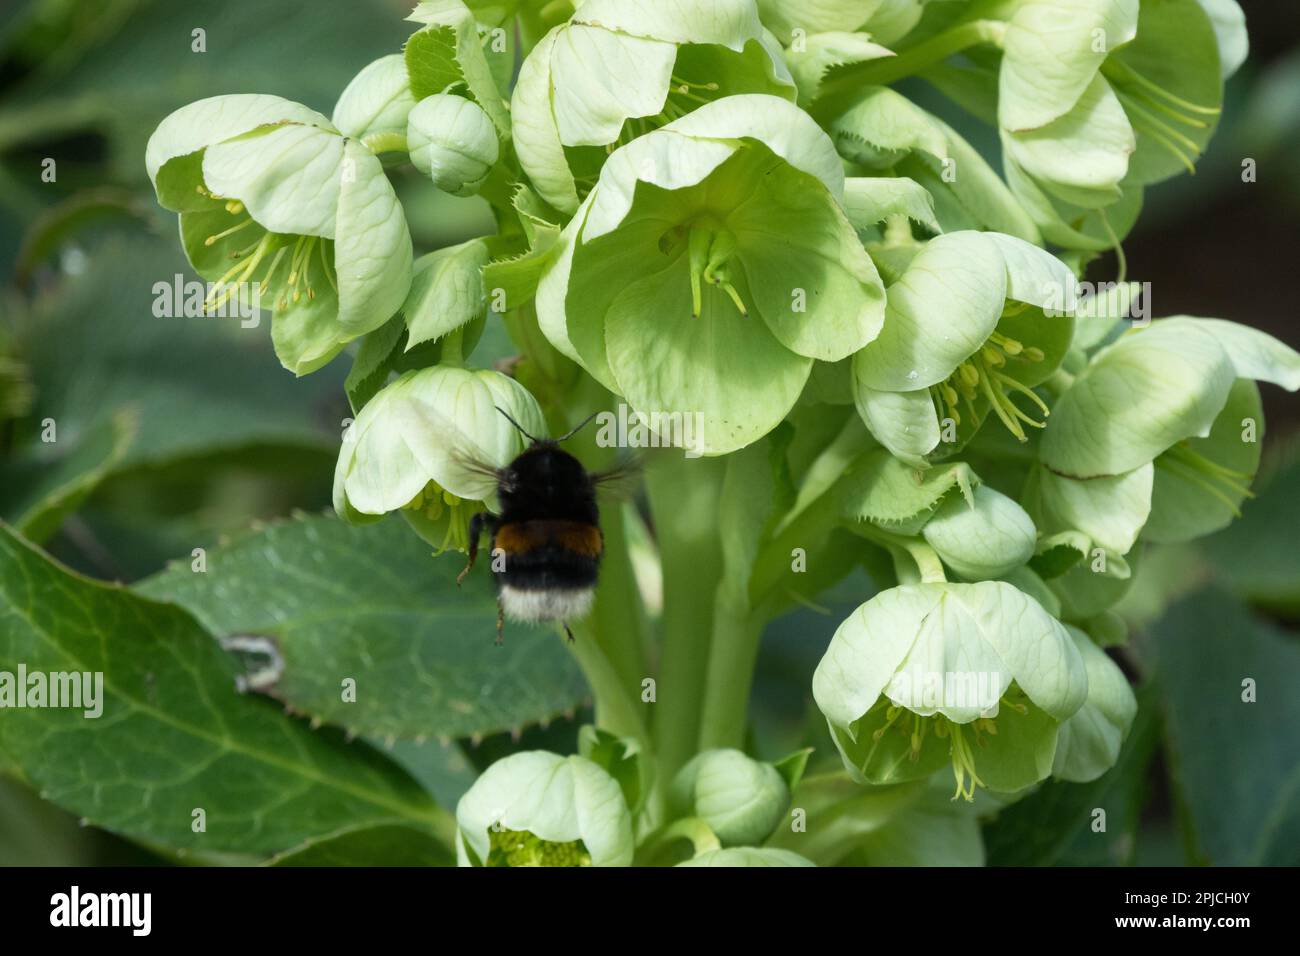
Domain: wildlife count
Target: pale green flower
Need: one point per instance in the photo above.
(620, 68)
(952, 349)
(1156, 388)
(1095, 105)
(710, 266)
(540, 809)
(1089, 741)
(411, 446)
(272, 196)
(978, 676)
(452, 140)
(748, 856)
(741, 799)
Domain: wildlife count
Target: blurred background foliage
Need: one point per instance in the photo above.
(179, 433)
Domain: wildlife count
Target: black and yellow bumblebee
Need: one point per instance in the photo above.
(546, 543)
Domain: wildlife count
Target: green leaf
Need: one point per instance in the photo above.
(370, 604)
(448, 54)
(871, 200)
(894, 495)
(368, 846)
(199, 385)
(1236, 770)
(41, 492)
(174, 735)
(821, 52)
(446, 291)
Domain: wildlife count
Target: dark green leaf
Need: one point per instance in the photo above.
(1236, 764)
(371, 604)
(174, 735)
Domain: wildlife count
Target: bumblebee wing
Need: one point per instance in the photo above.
(466, 458)
(620, 480)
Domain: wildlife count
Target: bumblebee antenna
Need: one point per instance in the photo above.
(516, 424)
(573, 431)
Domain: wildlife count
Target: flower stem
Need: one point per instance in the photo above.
(838, 92)
(616, 707)
(732, 656)
(385, 142)
(683, 500)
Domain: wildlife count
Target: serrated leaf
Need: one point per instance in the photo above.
(174, 735)
(893, 494)
(371, 604)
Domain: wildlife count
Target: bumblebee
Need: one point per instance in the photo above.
(546, 543)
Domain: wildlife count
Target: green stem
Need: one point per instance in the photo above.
(617, 709)
(732, 656)
(923, 556)
(385, 142)
(655, 850)
(683, 502)
(838, 92)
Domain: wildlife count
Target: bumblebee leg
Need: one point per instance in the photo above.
(501, 623)
(476, 523)
(567, 633)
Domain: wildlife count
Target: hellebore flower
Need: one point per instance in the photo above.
(620, 68)
(274, 198)
(1096, 106)
(1181, 394)
(741, 799)
(452, 140)
(411, 446)
(975, 675)
(540, 809)
(708, 268)
(952, 349)
(748, 856)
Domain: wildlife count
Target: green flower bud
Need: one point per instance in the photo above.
(748, 856)
(274, 199)
(412, 447)
(983, 539)
(741, 799)
(540, 809)
(978, 676)
(376, 103)
(452, 140)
